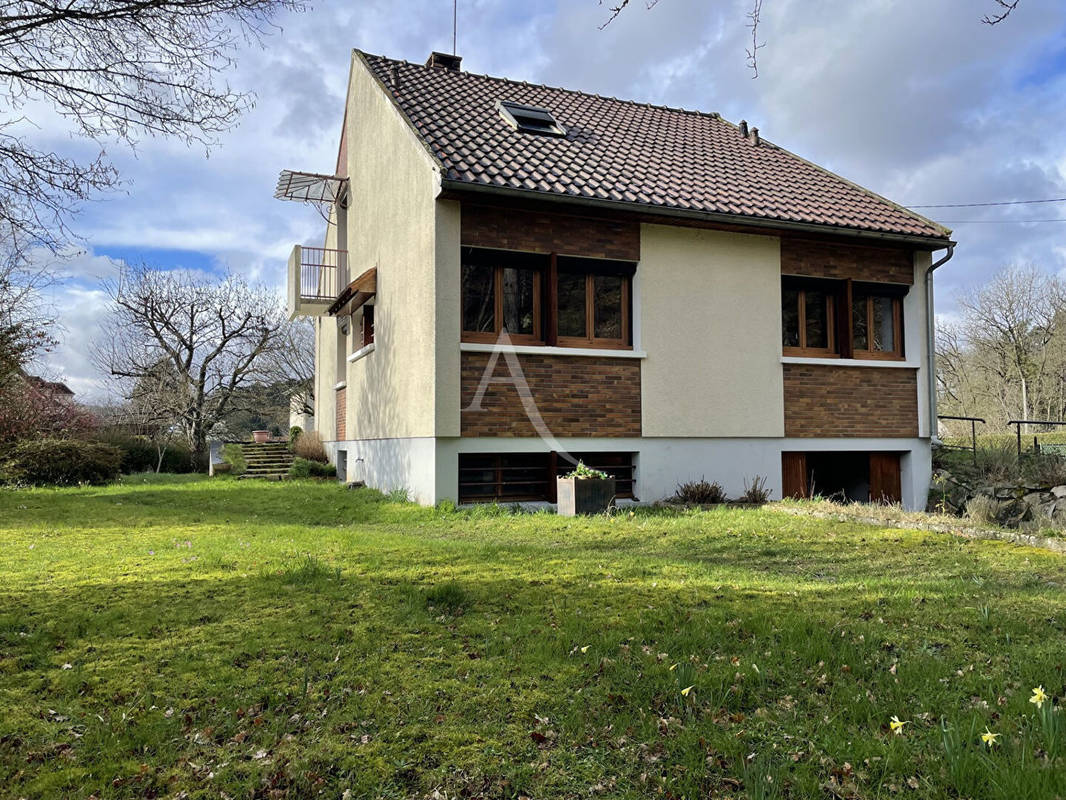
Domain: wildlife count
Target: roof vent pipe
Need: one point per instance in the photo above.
(744, 128)
(394, 76)
(755, 140)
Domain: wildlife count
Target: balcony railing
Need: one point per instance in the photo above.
(316, 277)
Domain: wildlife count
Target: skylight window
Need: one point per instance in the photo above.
(531, 119)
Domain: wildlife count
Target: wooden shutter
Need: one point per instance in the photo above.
(794, 475)
(885, 478)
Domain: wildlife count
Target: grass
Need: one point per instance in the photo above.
(177, 637)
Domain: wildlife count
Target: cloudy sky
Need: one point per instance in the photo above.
(918, 101)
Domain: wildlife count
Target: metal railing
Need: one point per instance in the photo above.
(322, 272)
(973, 434)
(1017, 423)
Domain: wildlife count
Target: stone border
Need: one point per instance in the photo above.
(985, 534)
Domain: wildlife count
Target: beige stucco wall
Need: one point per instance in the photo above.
(709, 307)
(391, 226)
(448, 281)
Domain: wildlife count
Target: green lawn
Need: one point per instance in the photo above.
(187, 638)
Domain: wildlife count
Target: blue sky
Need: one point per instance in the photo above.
(920, 102)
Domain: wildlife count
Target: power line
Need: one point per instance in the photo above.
(981, 205)
(995, 221)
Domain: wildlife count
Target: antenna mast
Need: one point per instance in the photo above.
(455, 19)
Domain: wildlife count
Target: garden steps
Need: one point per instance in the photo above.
(269, 460)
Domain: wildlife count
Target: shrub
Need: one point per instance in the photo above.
(60, 462)
(982, 509)
(309, 445)
(756, 491)
(233, 454)
(139, 454)
(700, 492)
(294, 433)
(302, 468)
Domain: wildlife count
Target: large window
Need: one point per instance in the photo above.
(836, 318)
(502, 291)
(543, 299)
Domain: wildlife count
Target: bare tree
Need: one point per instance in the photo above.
(25, 331)
(292, 364)
(1006, 7)
(117, 70)
(186, 345)
(1008, 325)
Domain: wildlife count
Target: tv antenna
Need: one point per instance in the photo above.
(455, 20)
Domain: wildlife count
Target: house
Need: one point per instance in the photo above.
(515, 276)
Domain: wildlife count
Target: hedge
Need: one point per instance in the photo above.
(60, 462)
(139, 455)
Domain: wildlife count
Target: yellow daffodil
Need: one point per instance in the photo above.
(989, 738)
(897, 726)
(687, 689)
(585, 649)
(1039, 696)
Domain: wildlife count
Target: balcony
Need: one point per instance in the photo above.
(316, 277)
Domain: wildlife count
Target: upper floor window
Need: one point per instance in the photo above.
(501, 291)
(876, 324)
(836, 318)
(367, 325)
(593, 302)
(808, 319)
(540, 299)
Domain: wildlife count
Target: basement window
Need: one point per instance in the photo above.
(530, 119)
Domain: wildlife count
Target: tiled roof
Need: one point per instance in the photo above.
(617, 150)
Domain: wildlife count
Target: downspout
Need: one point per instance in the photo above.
(930, 332)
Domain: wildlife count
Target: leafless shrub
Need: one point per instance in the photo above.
(981, 509)
(700, 492)
(756, 491)
(309, 445)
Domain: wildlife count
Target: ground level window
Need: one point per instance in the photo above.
(859, 477)
(527, 477)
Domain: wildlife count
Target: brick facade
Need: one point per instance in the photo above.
(835, 401)
(821, 259)
(541, 232)
(575, 395)
(342, 414)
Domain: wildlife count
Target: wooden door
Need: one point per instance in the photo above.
(885, 478)
(794, 475)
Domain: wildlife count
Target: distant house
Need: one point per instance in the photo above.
(55, 390)
(684, 299)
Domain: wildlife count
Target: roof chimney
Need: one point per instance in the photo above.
(755, 140)
(444, 61)
(744, 128)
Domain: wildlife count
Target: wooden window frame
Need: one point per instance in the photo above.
(840, 304)
(896, 353)
(590, 340)
(536, 338)
(832, 351)
(546, 303)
